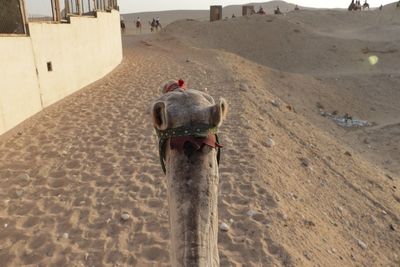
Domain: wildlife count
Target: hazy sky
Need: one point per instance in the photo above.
(130, 6)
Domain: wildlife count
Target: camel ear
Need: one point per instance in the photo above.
(218, 112)
(159, 115)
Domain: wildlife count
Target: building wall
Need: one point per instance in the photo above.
(247, 10)
(19, 90)
(80, 52)
(215, 13)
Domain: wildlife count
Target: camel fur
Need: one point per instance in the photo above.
(192, 178)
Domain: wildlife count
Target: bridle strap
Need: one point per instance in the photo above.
(198, 131)
(218, 150)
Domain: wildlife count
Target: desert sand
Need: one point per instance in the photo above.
(296, 188)
(169, 16)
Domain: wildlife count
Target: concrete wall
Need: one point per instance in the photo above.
(80, 52)
(248, 10)
(19, 90)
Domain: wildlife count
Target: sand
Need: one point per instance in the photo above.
(167, 17)
(320, 196)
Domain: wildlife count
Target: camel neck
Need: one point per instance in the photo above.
(193, 201)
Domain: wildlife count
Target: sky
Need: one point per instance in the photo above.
(132, 6)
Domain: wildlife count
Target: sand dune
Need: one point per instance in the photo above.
(167, 17)
(321, 195)
(331, 50)
(268, 7)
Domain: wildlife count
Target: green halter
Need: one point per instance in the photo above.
(199, 131)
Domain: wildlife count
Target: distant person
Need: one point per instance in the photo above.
(233, 16)
(138, 24)
(347, 118)
(261, 11)
(158, 24)
(122, 26)
(296, 7)
(358, 5)
(366, 5)
(381, 7)
(398, 4)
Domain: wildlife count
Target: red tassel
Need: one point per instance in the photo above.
(181, 83)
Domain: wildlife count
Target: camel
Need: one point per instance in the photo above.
(351, 6)
(358, 5)
(354, 6)
(186, 123)
(154, 24)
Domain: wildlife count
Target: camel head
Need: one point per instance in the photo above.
(187, 107)
(188, 120)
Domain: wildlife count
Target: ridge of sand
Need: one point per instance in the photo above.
(309, 200)
(167, 17)
(317, 45)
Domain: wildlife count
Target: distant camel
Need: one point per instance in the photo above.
(357, 6)
(154, 24)
(186, 122)
(354, 6)
(158, 24)
(351, 6)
